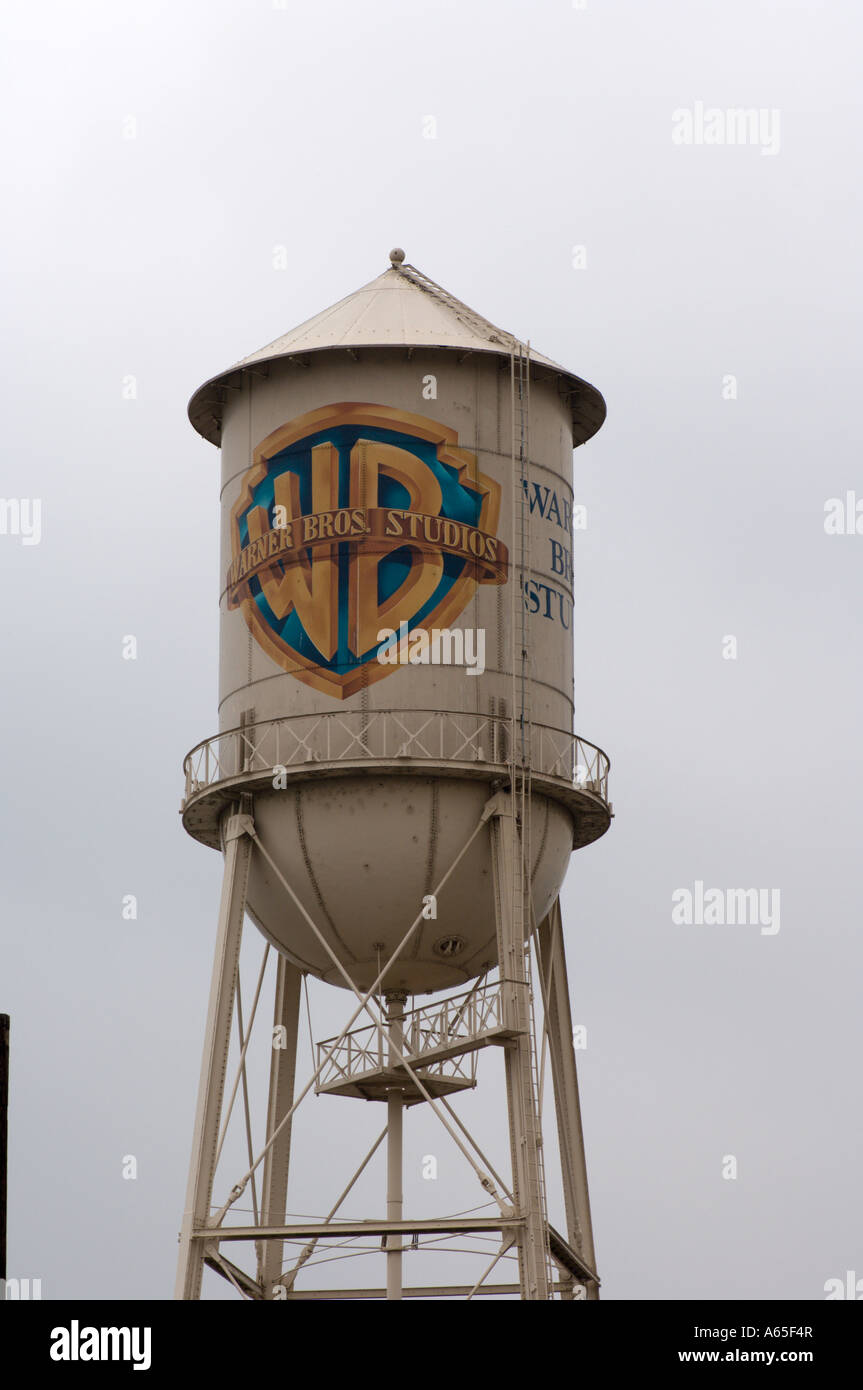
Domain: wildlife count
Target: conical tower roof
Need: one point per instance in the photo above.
(401, 308)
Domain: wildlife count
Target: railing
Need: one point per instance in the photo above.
(427, 1030)
(440, 736)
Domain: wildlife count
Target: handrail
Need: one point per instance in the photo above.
(440, 736)
(426, 1030)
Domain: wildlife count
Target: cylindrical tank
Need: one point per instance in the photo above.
(368, 502)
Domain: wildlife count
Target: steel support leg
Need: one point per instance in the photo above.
(565, 1080)
(524, 1127)
(283, 1065)
(395, 1002)
(199, 1192)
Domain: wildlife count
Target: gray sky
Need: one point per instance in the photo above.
(152, 257)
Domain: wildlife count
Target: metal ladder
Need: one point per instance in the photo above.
(520, 745)
(521, 692)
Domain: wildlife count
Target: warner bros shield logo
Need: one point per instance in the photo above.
(354, 518)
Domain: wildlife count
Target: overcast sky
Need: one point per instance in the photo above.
(155, 155)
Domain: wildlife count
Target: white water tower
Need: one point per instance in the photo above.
(396, 785)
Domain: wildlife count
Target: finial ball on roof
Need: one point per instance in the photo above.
(397, 255)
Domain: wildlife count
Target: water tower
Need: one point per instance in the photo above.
(396, 787)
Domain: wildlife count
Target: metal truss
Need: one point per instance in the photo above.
(401, 1059)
